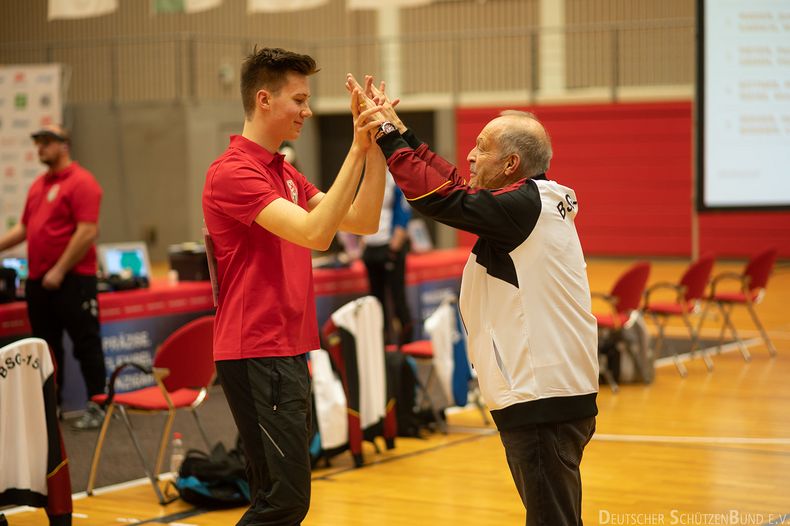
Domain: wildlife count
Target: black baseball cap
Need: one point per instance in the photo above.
(51, 131)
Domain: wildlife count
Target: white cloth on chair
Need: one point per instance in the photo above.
(24, 368)
(450, 361)
(33, 467)
(364, 319)
(440, 326)
(330, 401)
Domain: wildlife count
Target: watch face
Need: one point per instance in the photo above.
(387, 127)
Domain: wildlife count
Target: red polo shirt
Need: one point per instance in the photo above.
(56, 202)
(266, 302)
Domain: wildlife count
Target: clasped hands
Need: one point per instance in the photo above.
(370, 107)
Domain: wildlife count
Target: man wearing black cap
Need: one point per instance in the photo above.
(59, 223)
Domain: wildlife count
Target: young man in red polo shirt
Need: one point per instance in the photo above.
(60, 225)
(264, 217)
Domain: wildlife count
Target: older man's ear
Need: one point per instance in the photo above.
(513, 165)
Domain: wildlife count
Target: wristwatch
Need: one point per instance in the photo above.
(385, 128)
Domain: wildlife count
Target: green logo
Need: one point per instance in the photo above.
(20, 101)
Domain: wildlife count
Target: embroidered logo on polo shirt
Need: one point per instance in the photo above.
(53, 193)
(294, 192)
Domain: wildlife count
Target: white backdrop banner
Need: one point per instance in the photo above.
(71, 9)
(276, 6)
(30, 97)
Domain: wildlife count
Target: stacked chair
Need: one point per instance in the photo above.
(689, 297)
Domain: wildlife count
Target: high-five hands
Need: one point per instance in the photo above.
(380, 97)
(367, 118)
(376, 96)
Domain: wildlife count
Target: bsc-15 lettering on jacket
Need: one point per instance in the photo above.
(17, 360)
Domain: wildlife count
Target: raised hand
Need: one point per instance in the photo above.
(379, 96)
(365, 121)
(364, 101)
(378, 93)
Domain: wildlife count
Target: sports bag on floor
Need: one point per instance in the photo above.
(215, 480)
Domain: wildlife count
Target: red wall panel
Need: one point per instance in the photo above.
(631, 167)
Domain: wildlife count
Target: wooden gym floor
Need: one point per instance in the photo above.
(710, 448)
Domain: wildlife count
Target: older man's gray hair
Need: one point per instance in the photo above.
(531, 142)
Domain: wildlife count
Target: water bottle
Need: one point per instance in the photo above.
(176, 453)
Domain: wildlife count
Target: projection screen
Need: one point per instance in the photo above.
(743, 104)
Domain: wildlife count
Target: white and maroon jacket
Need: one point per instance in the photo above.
(34, 469)
(525, 299)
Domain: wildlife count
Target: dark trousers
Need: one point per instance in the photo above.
(387, 279)
(544, 461)
(73, 308)
(270, 402)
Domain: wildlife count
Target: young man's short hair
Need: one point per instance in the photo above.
(268, 68)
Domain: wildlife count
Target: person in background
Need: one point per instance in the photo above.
(384, 255)
(263, 217)
(525, 298)
(289, 154)
(60, 225)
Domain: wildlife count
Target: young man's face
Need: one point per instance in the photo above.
(289, 107)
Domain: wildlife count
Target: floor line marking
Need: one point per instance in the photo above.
(679, 439)
(83, 494)
(404, 456)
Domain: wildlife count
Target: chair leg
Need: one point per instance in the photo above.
(99, 445)
(426, 397)
(659, 345)
(607, 375)
(201, 428)
(721, 332)
(160, 454)
(154, 480)
(728, 323)
(702, 316)
(695, 343)
(766, 339)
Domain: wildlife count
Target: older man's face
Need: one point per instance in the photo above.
(486, 159)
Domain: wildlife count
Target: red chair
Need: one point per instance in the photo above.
(623, 300)
(688, 294)
(184, 370)
(751, 291)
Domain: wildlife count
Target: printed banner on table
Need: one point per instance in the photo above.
(30, 97)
